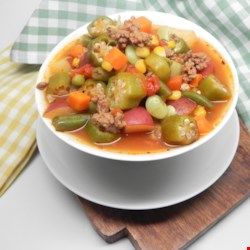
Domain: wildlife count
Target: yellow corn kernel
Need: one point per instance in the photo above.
(141, 66)
(200, 111)
(171, 44)
(142, 52)
(107, 66)
(160, 51)
(176, 94)
(154, 41)
(75, 62)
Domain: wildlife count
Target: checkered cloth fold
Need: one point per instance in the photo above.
(227, 20)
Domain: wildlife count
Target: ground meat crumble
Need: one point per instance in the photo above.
(129, 33)
(193, 63)
(105, 119)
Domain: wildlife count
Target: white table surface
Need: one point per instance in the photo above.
(38, 213)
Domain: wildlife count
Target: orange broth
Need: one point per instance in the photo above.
(137, 143)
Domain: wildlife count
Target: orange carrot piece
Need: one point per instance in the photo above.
(115, 111)
(78, 101)
(204, 126)
(174, 83)
(117, 59)
(144, 23)
(196, 80)
(76, 51)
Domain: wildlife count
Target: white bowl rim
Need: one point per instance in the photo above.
(179, 23)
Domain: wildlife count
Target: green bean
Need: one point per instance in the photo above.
(156, 107)
(198, 98)
(164, 91)
(131, 55)
(69, 122)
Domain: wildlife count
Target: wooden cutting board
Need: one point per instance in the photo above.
(178, 226)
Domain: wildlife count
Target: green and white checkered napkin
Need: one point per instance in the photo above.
(227, 20)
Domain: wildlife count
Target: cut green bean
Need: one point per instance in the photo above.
(70, 122)
(199, 99)
(164, 91)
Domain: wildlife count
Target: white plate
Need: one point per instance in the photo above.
(139, 185)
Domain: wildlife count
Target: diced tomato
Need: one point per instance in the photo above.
(138, 120)
(163, 42)
(131, 69)
(183, 106)
(152, 84)
(84, 59)
(86, 70)
(208, 70)
(70, 59)
(57, 108)
(138, 128)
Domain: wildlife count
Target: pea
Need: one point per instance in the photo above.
(98, 136)
(199, 99)
(156, 107)
(78, 80)
(179, 129)
(213, 89)
(69, 122)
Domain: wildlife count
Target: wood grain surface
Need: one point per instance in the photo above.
(178, 226)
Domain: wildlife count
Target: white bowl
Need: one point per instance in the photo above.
(157, 18)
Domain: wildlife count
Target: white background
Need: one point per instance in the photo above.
(38, 213)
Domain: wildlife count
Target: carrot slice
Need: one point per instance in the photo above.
(117, 59)
(196, 80)
(76, 51)
(204, 126)
(174, 83)
(78, 101)
(144, 23)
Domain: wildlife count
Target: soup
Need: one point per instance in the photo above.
(135, 87)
